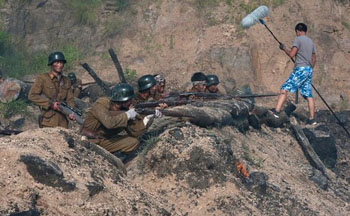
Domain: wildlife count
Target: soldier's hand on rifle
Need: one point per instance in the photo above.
(71, 117)
(54, 105)
(131, 114)
(158, 113)
(162, 106)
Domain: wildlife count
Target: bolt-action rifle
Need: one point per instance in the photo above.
(152, 104)
(216, 95)
(67, 110)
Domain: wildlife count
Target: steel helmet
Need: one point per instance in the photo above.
(145, 82)
(122, 92)
(198, 76)
(212, 80)
(56, 56)
(72, 77)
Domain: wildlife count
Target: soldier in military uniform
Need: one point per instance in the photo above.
(76, 84)
(212, 85)
(198, 80)
(159, 92)
(111, 123)
(147, 86)
(49, 90)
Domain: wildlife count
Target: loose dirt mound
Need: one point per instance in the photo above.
(195, 170)
(52, 172)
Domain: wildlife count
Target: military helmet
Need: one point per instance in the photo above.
(72, 77)
(212, 80)
(198, 76)
(145, 82)
(56, 56)
(122, 92)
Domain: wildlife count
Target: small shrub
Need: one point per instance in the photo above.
(149, 143)
(7, 110)
(276, 3)
(84, 11)
(346, 24)
(130, 75)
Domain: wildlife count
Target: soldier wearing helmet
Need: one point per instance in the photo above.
(198, 80)
(147, 86)
(159, 92)
(113, 124)
(76, 84)
(212, 84)
(49, 90)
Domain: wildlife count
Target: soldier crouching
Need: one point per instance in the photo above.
(111, 123)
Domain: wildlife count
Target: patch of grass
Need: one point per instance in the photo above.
(171, 43)
(85, 11)
(7, 110)
(258, 162)
(16, 61)
(276, 3)
(346, 24)
(130, 75)
(344, 103)
(149, 143)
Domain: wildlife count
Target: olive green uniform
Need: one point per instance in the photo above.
(47, 89)
(76, 87)
(113, 132)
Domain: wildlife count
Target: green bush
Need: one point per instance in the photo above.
(130, 75)
(85, 11)
(16, 61)
(13, 108)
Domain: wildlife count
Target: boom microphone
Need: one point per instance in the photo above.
(255, 16)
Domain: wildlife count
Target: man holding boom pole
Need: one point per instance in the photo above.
(303, 50)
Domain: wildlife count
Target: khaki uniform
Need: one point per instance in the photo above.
(76, 87)
(112, 129)
(47, 89)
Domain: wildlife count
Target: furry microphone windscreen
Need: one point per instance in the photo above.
(254, 17)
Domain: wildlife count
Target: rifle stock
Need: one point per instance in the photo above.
(67, 110)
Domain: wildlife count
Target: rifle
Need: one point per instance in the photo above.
(216, 95)
(117, 65)
(67, 110)
(142, 111)
(164, 112)
(99, 82)
(167, 102)
(8, 132)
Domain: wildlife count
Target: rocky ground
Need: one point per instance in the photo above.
(182, 169)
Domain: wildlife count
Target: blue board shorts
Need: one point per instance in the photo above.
(300, 78)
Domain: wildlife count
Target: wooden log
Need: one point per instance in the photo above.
(309, 152)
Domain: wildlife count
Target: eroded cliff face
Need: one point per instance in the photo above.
(178, 38)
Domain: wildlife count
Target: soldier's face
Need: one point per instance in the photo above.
(127, 104)
(57, 66)
(153, 89)
(213, 88)
(200, 87)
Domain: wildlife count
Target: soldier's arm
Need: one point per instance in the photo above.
(136, 127)
(35, 94)
(108, 120)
